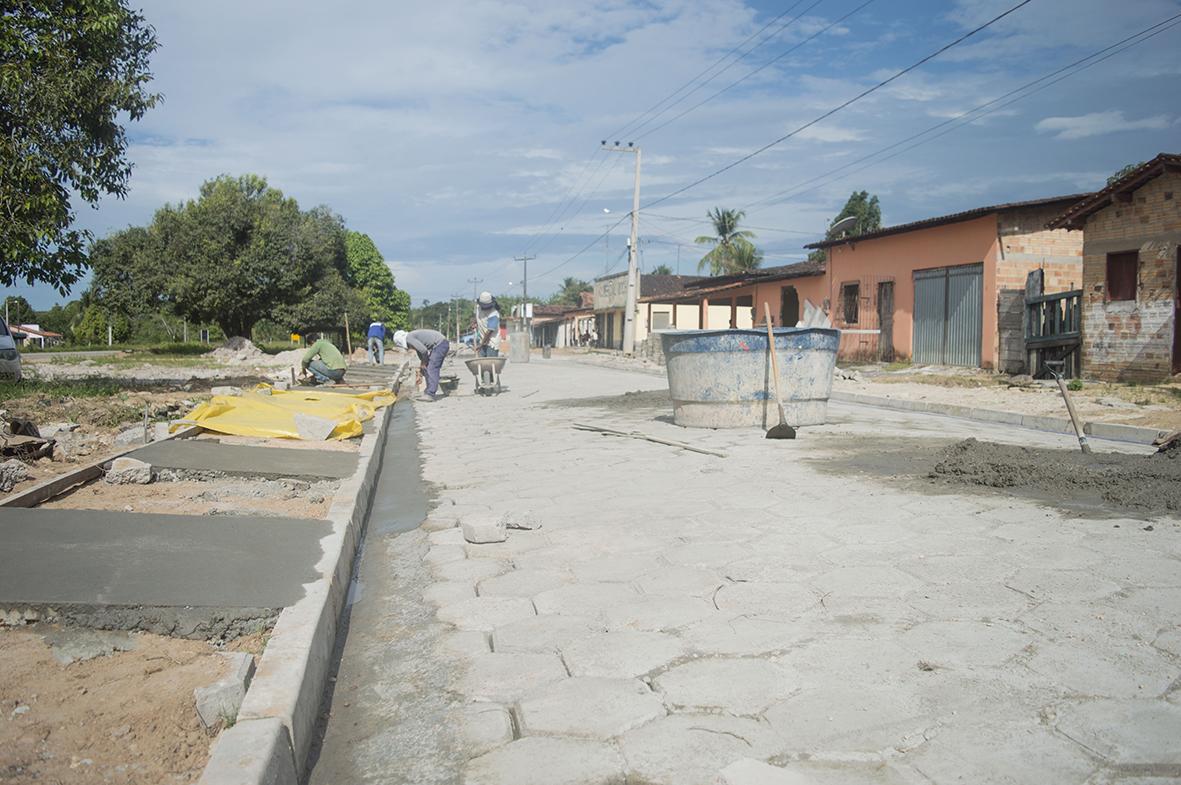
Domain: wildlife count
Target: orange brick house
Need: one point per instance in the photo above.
(949, 290)
(1131, 305)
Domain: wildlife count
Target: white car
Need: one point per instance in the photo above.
(10, 356)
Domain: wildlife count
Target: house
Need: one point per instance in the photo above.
(561, 326)
(1131, 306)
(949, 290)
(28, 334)
(610, 297)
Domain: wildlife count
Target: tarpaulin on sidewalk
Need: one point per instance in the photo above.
(288, 414)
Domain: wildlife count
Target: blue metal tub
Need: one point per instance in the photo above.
(722, 378)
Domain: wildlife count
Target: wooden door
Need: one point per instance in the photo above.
(886, 321)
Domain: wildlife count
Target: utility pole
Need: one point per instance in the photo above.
(525, 279)
(633, 273)
(475, 282)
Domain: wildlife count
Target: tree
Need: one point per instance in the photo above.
(661, 269)
(61, 318)
(18, 310)
(70, 70)
(869, 219)
(570, 292)
(369, 272)
(733, 251)
(1124, 171)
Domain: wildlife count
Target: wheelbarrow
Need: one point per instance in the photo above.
(487, 373)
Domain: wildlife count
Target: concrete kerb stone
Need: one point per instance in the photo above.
(253, 752)
(1098, 430)
(290, 678)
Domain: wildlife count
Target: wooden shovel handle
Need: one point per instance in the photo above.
(774, 359)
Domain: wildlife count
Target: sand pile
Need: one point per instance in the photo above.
(237, 350)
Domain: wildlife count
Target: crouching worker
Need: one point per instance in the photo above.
(324, 362)
(431, 346)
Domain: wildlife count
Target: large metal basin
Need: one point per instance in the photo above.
(722, 378)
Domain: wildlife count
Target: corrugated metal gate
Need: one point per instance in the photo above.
(948, 315)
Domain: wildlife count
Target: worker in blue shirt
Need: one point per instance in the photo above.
(376, 350)
(487, 325)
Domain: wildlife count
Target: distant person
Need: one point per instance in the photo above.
(376, 342)
(324, 362)
(431, 346)
(487, 325)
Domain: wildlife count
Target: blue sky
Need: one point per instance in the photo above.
(450, 131)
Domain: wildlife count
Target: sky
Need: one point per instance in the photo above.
(460, 134)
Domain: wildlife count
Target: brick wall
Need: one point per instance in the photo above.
(1027, 245)
(1133, 340)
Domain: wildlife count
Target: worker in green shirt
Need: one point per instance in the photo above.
(324, 362)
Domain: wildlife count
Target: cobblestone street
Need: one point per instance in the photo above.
(682, 618)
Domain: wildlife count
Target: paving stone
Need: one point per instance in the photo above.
(1062, 585)
(964, 644)
(690, 749)
(969, 601)
(442, 554)
(1169, 641)
(753, 772)
(707, 554)
(463, 643)
(621, 654)
(680, 581)
(448, 592)
(589, 707)
(616, 569)
(1021, 752)
(485, 613)
(449, 536)
(865, 581)
(955, 568)
(837, 720)
(657, 613)
(742, 686)
(545, 633)
(584, 599)
(538, 760)
(484, 727)
(480, 529)
(1125, 732)
(744, 635)
(852, 658)
(771, 600)
(507, 677)
(470, 569)
(1105, 669)
(1088, 621)
(522, 583)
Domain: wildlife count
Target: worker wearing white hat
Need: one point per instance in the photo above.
(487, 325)
(431, 346)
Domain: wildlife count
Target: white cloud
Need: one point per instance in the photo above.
(824, 133)
(1098, 124)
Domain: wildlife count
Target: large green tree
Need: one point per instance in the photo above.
(71, 72)
(733, 251)
(869, 219)
(368, 272)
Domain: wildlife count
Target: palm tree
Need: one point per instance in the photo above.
(733, 251)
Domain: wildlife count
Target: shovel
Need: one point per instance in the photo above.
(782, 430)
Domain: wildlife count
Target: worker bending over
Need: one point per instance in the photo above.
(431, 346)
(487, 325)
(324, 362)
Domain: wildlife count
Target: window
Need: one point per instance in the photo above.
(850, 302)
(1121, 275)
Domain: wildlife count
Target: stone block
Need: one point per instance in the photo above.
(448, 592)
(755, 772)
(689, 749)
(253, 752)
(839, 720)
(742, 686)
(589, 707)
(485, 613)
(544, 761)
(522, 583)
(525, 521)
(220, 701)
(506, 678)
(480, 529)
(313, 428)
(545, 633)
(484, 727)
(12, 472)
(225, 390)
(129, 471)
(621, 654)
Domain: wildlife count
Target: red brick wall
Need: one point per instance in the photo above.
(1133, 340)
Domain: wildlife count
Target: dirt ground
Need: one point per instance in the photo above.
(223, 496)
(127, 717)
(1150, 406)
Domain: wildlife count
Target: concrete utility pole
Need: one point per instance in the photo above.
(525, 279)
(633, 273)
(475, 282)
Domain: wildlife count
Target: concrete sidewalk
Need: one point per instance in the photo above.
(682, 618)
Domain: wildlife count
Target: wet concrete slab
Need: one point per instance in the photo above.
(241, 459)
(103, 558)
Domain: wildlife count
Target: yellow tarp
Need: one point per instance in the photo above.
(289, 414)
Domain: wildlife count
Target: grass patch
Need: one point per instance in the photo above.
(60, 388)
(182, 349)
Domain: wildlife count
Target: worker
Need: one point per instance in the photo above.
(431, 346)
(376, 347)
(487, 325)
(324, 362)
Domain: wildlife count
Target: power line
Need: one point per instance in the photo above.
(782, 27)
(569, 198)
(585, 248)
(841, 106)
(624, 130)
(757, 70)
(554, 235)
(962, 119)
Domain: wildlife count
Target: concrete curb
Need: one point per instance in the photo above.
(1099, 430)
(291, 677)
